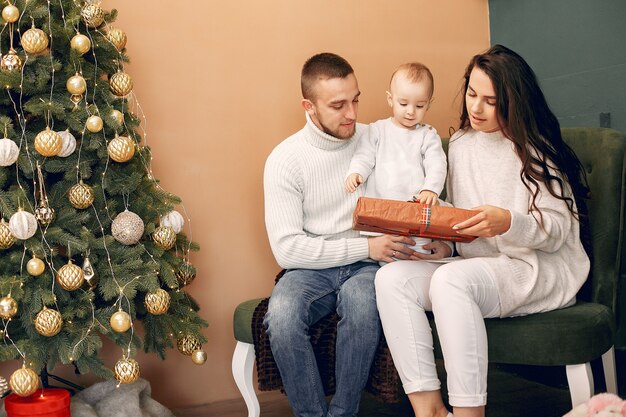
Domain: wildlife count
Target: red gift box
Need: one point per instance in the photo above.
(410, 219)
(49, 402)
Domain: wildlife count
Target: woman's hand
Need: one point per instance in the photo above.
(491, 221)
(440, 250)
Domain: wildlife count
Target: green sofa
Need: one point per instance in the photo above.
(571, 337)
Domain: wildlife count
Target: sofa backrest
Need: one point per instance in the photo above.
(602, 153)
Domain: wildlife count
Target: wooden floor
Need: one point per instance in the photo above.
(510, 395)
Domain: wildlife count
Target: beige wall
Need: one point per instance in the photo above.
(218, 82)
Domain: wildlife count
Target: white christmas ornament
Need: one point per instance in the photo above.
(127, 228)
(174, 220)
(23, 225)
(8, 152)
(68, 145)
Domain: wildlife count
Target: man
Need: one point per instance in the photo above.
(308, 216)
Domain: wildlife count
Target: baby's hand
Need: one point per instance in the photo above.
(427, 197)
(353, 181)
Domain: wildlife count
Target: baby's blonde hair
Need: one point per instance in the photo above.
(415, 72)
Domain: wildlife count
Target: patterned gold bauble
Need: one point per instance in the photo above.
(120, 84)
(127, 228)
(120, 321)
(127, 370)
(76, 84)
(6, 238)
(48, 322)
(157, 302)
(10, 13)
(70, 277)
(117, 37)
(186, 274)
(34, 40)
(198, 357)
(164, 237)
(8, 307)
(118, 117)
(92, 15)
(80, 43)
(35, 266)
(48, 142)
(44, 214)
(94, 124)
(10, 61)
(81, 196)
(121, 148)
(188, 344)
(24, 381)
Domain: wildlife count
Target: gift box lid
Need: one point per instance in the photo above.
(43, 401)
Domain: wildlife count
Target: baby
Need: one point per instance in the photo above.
(402, 158)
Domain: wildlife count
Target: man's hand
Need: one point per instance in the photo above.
(353, 181)
(389, 248)
(427, 197)
(439, 250)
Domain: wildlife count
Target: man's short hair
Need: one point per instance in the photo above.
(415, 72)
(322, 66)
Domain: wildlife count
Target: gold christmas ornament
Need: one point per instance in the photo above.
(157, 302)
(173, 219)
(117, 37)
(81, 195)
(35, 266)
(24, 381)
(34, 40)
(186, 273)
(120, 321)
(68, 144)
(80, 43)
(198, 357)
(127, 228)
(48, 142)
(188, 344)
(120, 84)
(118, 117)
(9, 152)
(127, 370)
(6, 237)
(23, 224)
(164, 237)
(76, 84)
(10, 61)
(94, 124)
(92, 15)
(70, 277)
(121, 148)
(8, 307)
(48, 322)
(10, 13)
(90, 273)
(44, 214)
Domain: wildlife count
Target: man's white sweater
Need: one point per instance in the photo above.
(308, 213)
(537, 268)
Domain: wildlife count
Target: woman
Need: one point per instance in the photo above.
(508, 161)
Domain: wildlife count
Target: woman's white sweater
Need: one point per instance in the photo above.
(308, 213)
(537, 268)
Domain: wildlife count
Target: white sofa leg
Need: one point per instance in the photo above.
(580, 380)
(243, 365)
(610, 374)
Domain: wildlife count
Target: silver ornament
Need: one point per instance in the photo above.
(127, 228)
(89, 272)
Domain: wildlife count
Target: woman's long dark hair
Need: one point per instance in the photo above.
(526, 119)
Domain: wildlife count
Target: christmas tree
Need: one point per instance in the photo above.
(90, 244)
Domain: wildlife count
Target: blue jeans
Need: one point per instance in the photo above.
(300, 299)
